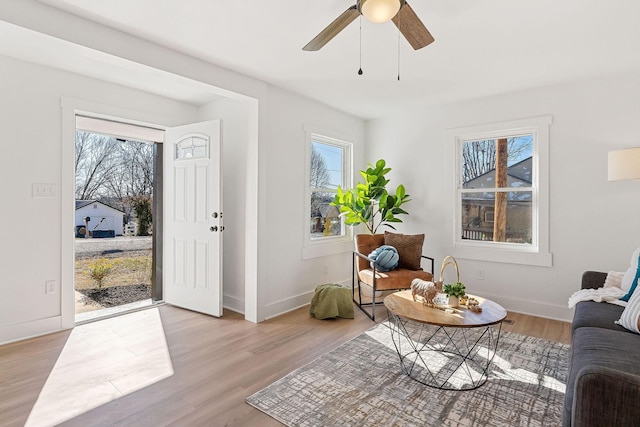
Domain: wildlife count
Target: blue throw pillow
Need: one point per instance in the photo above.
(385, 258)
(634, 284)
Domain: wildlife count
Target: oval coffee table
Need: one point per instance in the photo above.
(449, 349)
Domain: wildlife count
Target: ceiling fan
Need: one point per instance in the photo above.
(378, 11)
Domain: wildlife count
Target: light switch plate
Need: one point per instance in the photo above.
(50, 287)
(43, 191)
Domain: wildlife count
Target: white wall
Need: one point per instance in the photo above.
(290, 280)
(264, 171)
(31, 121)
(593, 223)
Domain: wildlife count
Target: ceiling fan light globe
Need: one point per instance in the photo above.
(379, 11)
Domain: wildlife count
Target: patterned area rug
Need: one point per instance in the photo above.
(360, 383)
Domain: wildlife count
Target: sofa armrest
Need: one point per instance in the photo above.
(593, 279)
(605, 397)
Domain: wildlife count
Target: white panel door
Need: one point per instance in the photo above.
(192, 254)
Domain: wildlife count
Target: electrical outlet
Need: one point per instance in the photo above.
(480, 275)
(50, 287)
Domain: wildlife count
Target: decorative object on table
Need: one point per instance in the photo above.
(359, 384)
(370, 203)
(425, 289)
(385, 258)
(471, 303)
(453, 290)
(331, 300)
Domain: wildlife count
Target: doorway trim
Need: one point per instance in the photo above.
(70, 109)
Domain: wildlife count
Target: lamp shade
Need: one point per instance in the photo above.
(379, 11)
(624, 164)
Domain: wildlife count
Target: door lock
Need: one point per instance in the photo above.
(213, 228)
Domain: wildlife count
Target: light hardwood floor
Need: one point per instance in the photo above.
(216, 364)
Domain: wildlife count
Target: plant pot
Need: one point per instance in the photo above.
(454, 302)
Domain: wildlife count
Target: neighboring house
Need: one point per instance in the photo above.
(102, 217)
(478, 208)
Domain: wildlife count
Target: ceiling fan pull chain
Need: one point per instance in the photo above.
(360, 70)
(398, 47)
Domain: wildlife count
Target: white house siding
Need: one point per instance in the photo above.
(113, 218)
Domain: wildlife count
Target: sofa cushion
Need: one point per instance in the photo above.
(614, 280)
(600, 347)
(631, 313)
(634, 280)
(409, 248)
(396, 279)
(597, 314)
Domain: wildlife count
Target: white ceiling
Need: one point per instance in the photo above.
(481, 48)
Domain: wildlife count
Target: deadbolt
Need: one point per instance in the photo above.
(215, 214)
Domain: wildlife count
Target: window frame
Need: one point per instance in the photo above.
(322, 246)
(537, 253)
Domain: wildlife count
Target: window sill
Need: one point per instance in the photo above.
(539, 259)
(325, 249)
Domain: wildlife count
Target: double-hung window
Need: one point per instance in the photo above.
(329, 166)
(501, 206)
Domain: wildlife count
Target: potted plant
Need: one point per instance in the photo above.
(370, 203)
(454, 291)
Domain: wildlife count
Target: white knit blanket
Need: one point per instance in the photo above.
(611, 295)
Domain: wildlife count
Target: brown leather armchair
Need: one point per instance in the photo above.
(365, 272)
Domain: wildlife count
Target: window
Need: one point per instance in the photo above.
(496, 189)
(329, 165)
(192, 147)
(501, 192)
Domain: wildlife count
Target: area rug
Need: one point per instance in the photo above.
(360, 383)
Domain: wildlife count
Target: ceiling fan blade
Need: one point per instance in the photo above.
(339, 24)
(412, 28)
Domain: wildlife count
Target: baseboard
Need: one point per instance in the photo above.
(233, 303)
(518, 305)
(532, 308)
(277, 308)
(36, 328)
(286, 305)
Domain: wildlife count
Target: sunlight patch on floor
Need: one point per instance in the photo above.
(101, 362)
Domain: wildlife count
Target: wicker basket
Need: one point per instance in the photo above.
(449, 260)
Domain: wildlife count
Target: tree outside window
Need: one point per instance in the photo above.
(500, 191)
(496, 191)
(327, 171)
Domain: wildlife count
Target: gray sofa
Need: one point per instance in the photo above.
(603, 384)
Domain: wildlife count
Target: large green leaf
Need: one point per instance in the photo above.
(370, 203)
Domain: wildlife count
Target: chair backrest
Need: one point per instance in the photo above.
(365, 244)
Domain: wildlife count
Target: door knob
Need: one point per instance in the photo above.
(213, 228)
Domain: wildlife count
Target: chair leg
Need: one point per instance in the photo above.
(354, 278)
(373, 304)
